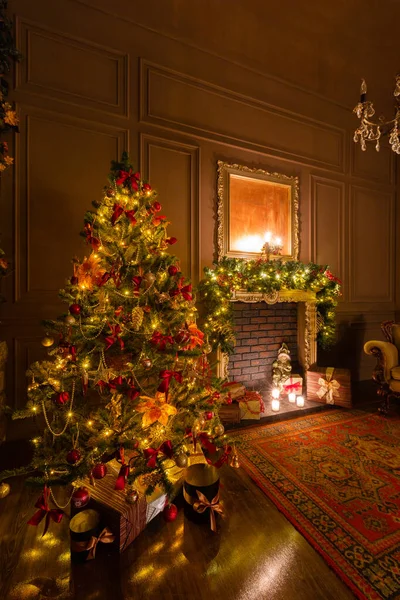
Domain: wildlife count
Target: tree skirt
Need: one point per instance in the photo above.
(336, 477)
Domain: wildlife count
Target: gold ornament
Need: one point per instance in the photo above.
(201, 422)
(163, 298)
(146, 363)
(234, 461)
(4, 489)
(70, 319)
(137, 317)
(207, 348)
(196, 429)
(132, 496)
(149, 279)
(181, 460)
(47, 341)
(219, 429)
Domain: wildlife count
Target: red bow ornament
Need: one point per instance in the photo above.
(185, 290)
(119, 210)
(123, 472)
(137, 280)
(132, 392)
(160, 341)
(166, 377)
(115, 330)
(90, 238)
(151, 454)
(55, 514)
(112, 384)
(223, 459)
(127, 178)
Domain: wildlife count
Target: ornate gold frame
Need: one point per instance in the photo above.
(224, 171)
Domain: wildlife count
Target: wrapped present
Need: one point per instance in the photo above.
(201, 494)
(251, 406)
(233, 389)
(86, 533)
(294, 383)
(329, 386)
(229, 413)
(126, 517)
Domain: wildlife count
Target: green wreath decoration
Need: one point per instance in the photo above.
(264, 276)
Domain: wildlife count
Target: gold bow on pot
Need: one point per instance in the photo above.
(203, 503)
(105, 537)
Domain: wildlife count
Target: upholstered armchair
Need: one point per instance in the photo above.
(387, 370)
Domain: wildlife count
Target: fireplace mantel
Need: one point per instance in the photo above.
(306, 321)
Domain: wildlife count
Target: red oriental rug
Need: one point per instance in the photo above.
(336, 477)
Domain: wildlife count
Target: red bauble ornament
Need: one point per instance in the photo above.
(182, 337)
(156, 206)
(146, 187)
(73, 456)
(99, 471)
(208, 415)
(74, 280)
(216, 395)
(80, 497)
(170, 513)
(172, 270)
(75, 309)
(228, 399)
(62, 398)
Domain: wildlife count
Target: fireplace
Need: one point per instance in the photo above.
(262, 322)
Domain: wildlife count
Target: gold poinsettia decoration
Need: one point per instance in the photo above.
(89, 271)
(155, 409)
(196, 337)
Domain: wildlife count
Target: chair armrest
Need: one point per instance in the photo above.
(386, 353)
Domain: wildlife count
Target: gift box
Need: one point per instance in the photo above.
(86, 533)
(294, 383)
(251, 406)
(229, 413)
(125, 519)
(201, 494)
(329, 386)
(233, 389)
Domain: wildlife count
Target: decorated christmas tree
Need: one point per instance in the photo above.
(127, 376)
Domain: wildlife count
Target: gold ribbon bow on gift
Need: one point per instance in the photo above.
(105, 537)
(203, 503)
(329, 387)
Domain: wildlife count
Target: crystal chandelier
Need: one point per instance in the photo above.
(371, 131)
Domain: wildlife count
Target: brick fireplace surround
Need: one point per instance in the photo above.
(260, 329)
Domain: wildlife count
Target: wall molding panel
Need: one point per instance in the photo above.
(179, 195)
(102, 84)
(170, 99)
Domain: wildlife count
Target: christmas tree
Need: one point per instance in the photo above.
(127, 376)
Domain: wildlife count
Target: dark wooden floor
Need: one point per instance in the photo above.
(256, 554)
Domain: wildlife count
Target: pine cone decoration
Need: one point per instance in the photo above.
(137, 317)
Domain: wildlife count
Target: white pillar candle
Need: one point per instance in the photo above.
(275, 393)
(292, 397)
(300, 401)
(275, 405)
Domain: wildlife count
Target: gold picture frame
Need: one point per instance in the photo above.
(255, 206)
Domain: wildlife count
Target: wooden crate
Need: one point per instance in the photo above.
(329, 386)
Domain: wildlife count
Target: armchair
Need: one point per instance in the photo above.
(387, 370)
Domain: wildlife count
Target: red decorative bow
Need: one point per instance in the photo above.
(223, 459)
(150, 454)
(124, 470)
(171, 240)
(292, 387)
(113, 274)
(166, 377)
(205, 442)
(137, 280)
(90, 238)
(128, 178)
(119, 210)
(112, 384)
(132, 393)
(55, 514)
(181, 289)
(160, 340)
(114, 337)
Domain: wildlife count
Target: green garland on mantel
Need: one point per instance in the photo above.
(264, 276)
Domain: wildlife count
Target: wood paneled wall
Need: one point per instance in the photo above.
(92, 84)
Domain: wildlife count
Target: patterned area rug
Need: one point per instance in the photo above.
(336, 477)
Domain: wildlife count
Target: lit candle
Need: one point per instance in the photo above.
(275, 405)
(292, 397)
(275, 393)
(267, 236)
(300, 401)
(363, 91)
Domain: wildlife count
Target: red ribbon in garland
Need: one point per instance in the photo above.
(114, 337)
(119, 210)
(137, 280)
(55, 514)
(90, 238)
(128, 178)
(151, 454)
(160, 340)
(166, 377)
(185, 290)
